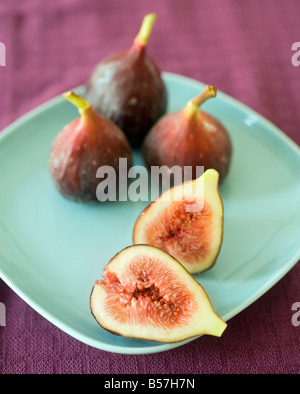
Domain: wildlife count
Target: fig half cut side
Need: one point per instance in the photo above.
(187, 222)
(147, 294)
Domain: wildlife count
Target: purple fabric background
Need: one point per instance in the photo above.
(242, 47)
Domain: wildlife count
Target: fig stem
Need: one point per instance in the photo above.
(194, 104)
(78, 101)
(146, 29)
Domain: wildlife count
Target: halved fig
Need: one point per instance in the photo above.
(186, 222)
(147, 294)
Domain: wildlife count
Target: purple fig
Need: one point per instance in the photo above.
(128, 89)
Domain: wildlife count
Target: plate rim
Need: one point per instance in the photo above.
(158, 347)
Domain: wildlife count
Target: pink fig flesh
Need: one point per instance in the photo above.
(186, 222)
(147, 294)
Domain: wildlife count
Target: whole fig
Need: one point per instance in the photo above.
(128, 89)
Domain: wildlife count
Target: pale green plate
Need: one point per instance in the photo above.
(52, 250)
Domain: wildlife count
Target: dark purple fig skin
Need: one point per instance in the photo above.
(80, 149)
(177, 140)
(128, 89)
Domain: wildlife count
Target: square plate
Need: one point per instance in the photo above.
(52, 250)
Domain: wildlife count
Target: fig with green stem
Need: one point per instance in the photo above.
(83, 146)
(190, 137)
(128, 89)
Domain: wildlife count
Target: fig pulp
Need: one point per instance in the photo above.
(147, 294)
(83, 146)
(190, 137)
(186, 222)
(128, 89)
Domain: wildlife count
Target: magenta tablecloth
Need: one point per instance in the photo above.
(242, 47)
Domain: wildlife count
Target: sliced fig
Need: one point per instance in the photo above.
(186, 222)
(147, 294)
